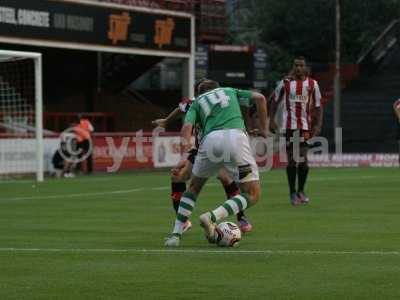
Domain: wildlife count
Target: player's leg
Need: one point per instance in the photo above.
(177, 189)
(249, 196)
(231, 190)
(203, 168)
(187, 203)
(69, 164)
(69, 169)
(80, 153)
(179, 175)
(247, 174)
(88, 160)
(399, 145)
(58, 164)
(58, 170)
(291, 169)
(185, 209)
(302, 170)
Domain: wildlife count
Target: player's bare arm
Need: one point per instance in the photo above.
(272, 124)
(396, 107)
(317, 121)
(182, 171)
(261, 105)
(275, 97)
(186, 135)
(172, 116)
(246, 117)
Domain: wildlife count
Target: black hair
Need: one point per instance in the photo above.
(207, 85)
(300, 57)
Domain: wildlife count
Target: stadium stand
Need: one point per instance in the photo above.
(120, 70)
(367, 112)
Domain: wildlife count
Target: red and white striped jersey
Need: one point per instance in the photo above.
(185, 104)
(299, 98)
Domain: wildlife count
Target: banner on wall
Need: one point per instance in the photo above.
(354, 160)
(89, 24)
(124, 152)
(166, 151)
(121, 152)
(18, 156)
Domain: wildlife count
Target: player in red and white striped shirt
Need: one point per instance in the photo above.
(301, 116)
(396, 107)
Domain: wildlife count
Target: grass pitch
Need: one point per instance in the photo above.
(101, 237)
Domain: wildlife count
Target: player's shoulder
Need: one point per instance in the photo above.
(312, 83)
(225, 89)
(312, 79)
(235, 90)
(230, 91)
(285, 80)
(217, 90)
(186, 101)
(228, 88)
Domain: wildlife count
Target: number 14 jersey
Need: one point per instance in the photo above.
(219, 109)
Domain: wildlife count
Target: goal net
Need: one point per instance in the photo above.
(21, 133)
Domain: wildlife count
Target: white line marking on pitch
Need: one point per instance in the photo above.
(161, 188)
(75, 195)
(205, 251)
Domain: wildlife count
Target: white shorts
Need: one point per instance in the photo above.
(229, 149)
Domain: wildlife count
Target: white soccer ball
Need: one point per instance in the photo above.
(228, 234)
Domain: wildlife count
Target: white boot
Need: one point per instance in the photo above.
(209, 227)
(172, 241)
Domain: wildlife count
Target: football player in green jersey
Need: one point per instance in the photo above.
(224, 144)
(182, 172)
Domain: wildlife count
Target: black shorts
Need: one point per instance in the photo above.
(305, 134)
(83, 147)
(58, 161)
(192, 155)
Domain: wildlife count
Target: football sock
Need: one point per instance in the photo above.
(302, 172)
(177, 189)
(291, 175)
(240, 215)
(230, 207)
(231, 190)
(186, 206)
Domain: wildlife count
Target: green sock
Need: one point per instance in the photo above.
(186, 206)
(230, 207)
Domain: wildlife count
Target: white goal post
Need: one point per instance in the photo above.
(21, 113)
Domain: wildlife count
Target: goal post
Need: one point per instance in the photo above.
(21, 113)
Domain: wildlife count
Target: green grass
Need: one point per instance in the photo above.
(85, 238)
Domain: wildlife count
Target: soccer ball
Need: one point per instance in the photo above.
(228, 234)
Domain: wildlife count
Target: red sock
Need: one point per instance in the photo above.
(231, 190)
(177, 190)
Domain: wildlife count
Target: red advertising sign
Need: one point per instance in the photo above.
(121, 152)
(114, 152)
